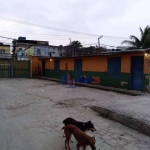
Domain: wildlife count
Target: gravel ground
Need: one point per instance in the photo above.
(32, 111)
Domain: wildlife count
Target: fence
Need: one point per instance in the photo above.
(15, 69)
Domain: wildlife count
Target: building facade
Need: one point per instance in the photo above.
(120, 69)
(4, 49)
(21, 54)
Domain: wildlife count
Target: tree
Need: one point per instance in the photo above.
(143, 42)
(76, 44)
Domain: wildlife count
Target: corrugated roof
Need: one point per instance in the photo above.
(107, 53)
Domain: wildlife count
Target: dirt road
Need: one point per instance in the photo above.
(32, 111)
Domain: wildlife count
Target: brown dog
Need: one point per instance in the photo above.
(82, 138)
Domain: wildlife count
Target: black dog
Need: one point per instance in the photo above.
(84, 126)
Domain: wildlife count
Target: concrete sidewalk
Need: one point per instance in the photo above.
(133, 112)
(122, 91)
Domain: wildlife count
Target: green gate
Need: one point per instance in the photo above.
(5, 68)
(21, 69)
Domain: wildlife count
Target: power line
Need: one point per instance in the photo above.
(54, 28)
(43, 26)
(83, 45)
(7, 32)
(62, 36)
(6, 37)
(33, 36)
(101, 44)
(113, 40)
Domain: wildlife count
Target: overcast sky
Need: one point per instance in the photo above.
(117, 18)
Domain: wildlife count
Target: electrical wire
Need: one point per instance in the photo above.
(6, 37)
(43, 26)
(7, 32)
(53, 28)
(101, 44)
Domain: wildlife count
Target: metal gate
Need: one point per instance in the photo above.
(78, 67)
(21, 69)
(16, 69)
(5, 68)
(56, 66)
(137, 63)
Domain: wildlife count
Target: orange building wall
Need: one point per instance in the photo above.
(125, 63)
(97, 64)
(36, 64)
(69, 61)
(49, 64)
(147, 64)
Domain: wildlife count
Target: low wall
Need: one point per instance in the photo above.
(128, 121)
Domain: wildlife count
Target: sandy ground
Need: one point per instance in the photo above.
(32, 111)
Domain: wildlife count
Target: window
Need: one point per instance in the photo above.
(49, 53)
(2, 51)
(114, 67)
(38, 52)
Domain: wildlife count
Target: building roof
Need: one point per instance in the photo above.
(106, 53)
(33, 42)
(1, 44)
(118, 51)
(148, 50)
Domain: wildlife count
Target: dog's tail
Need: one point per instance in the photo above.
(63, 128)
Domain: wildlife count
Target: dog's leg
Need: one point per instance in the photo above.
(72, 139)
(66, 144)
(84, 147)
(78, 146)
(68, 137)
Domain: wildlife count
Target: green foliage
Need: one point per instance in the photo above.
(76, 44)
(143, 42)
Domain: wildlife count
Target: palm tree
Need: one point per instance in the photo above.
(76, 44)
(143, 42)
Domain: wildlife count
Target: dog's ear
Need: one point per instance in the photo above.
(89, 122)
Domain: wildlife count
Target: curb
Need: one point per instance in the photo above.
(128, 121)
(122, 91)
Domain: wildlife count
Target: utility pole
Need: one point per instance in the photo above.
(70, 40)
(13, 57)
(14, 48)
(99, 41)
